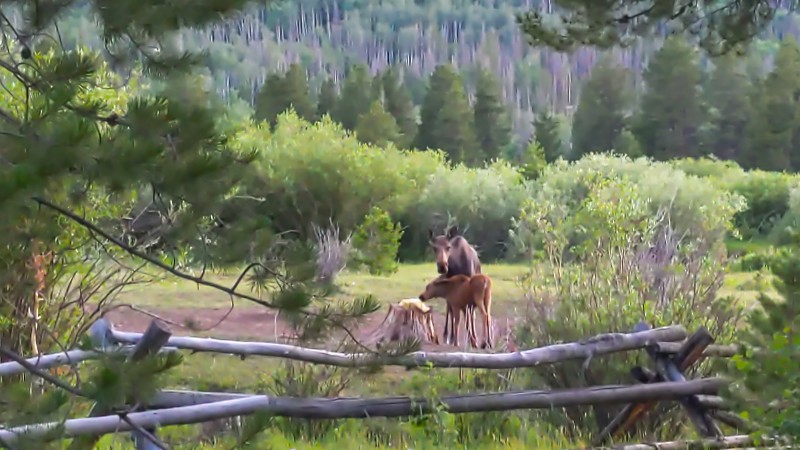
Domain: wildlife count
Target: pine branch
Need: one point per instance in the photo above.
(166, 267)
(41, 374)
(331, 318)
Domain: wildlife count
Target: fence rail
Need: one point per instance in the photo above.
(669, 348)
(602, 344)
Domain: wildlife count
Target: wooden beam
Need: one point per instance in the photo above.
(155, 336)
(684, 356)
(340, 408)
(67, 358)
(598, 345)
(737, 441)
(721, 351)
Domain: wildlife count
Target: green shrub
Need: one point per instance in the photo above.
(784, 229)
(317, 173)
(696, 207)
(767, 195)
(767, 383)
(628, 265)
(376, 241)
(482, 201)
(708, 167)
(752, 262)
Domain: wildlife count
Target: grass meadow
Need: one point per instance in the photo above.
(259, 375)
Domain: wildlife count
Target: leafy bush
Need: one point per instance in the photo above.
(768, 380)
(695, 206)
(482, 201)
(782, 232)
(376, 241)
(315, 173)
(708, 167)
(752, 262)
(767, 195)
(630, 263)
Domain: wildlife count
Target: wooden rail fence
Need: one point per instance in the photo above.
(670, 349)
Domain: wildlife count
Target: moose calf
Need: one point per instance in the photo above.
(461, 291)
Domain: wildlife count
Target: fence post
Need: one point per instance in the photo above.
(153, 339)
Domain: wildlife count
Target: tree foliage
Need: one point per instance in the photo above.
(602, 110)
(718, 26)
(672, 113)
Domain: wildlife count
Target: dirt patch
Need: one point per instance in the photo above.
(260, 324)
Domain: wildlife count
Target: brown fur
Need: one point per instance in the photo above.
(454, 256)
(461, 292)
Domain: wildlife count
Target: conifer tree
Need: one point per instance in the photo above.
(281, 92)
(377, 126)
(297, 93)
(327, 98)
(492, 120)
(269, 104)
(80, 149)
(438, 84)
(671, 114)
(548, 136)
(729, 107)
(397, 102)
(447, 120)
(602, 108)
(773, 132)
(355, 97)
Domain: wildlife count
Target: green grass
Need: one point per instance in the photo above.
(255, 375)
(409, 281)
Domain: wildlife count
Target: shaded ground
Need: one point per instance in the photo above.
(259, 324)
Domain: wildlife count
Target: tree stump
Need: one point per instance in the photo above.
(408, 319)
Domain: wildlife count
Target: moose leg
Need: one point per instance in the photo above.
(469, 313)
(447, 319)
(456, 323)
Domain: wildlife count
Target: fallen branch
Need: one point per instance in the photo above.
(598, 345)
(724, 442)
(71, 357)
(341, 408)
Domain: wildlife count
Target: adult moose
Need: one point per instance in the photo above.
(454, 256)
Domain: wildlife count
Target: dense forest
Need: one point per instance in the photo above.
(326, 37)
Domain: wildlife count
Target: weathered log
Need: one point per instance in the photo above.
(721, 351)
(724, 442)
(341, 408)
(598, 345)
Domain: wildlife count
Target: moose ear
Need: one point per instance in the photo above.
(452, 232)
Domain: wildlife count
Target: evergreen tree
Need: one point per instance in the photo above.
(269, 104)
(377, 126)
(327, 98)
(79, 153)
(438, 84)
(492, 121)
(447, 118)
(547, 135)
(297, 93)
(672, 113)
(729, 107)
(773, 132)
(600, 116)
(355, 98)
(398, 102)
(281, 92)
(626, 144)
